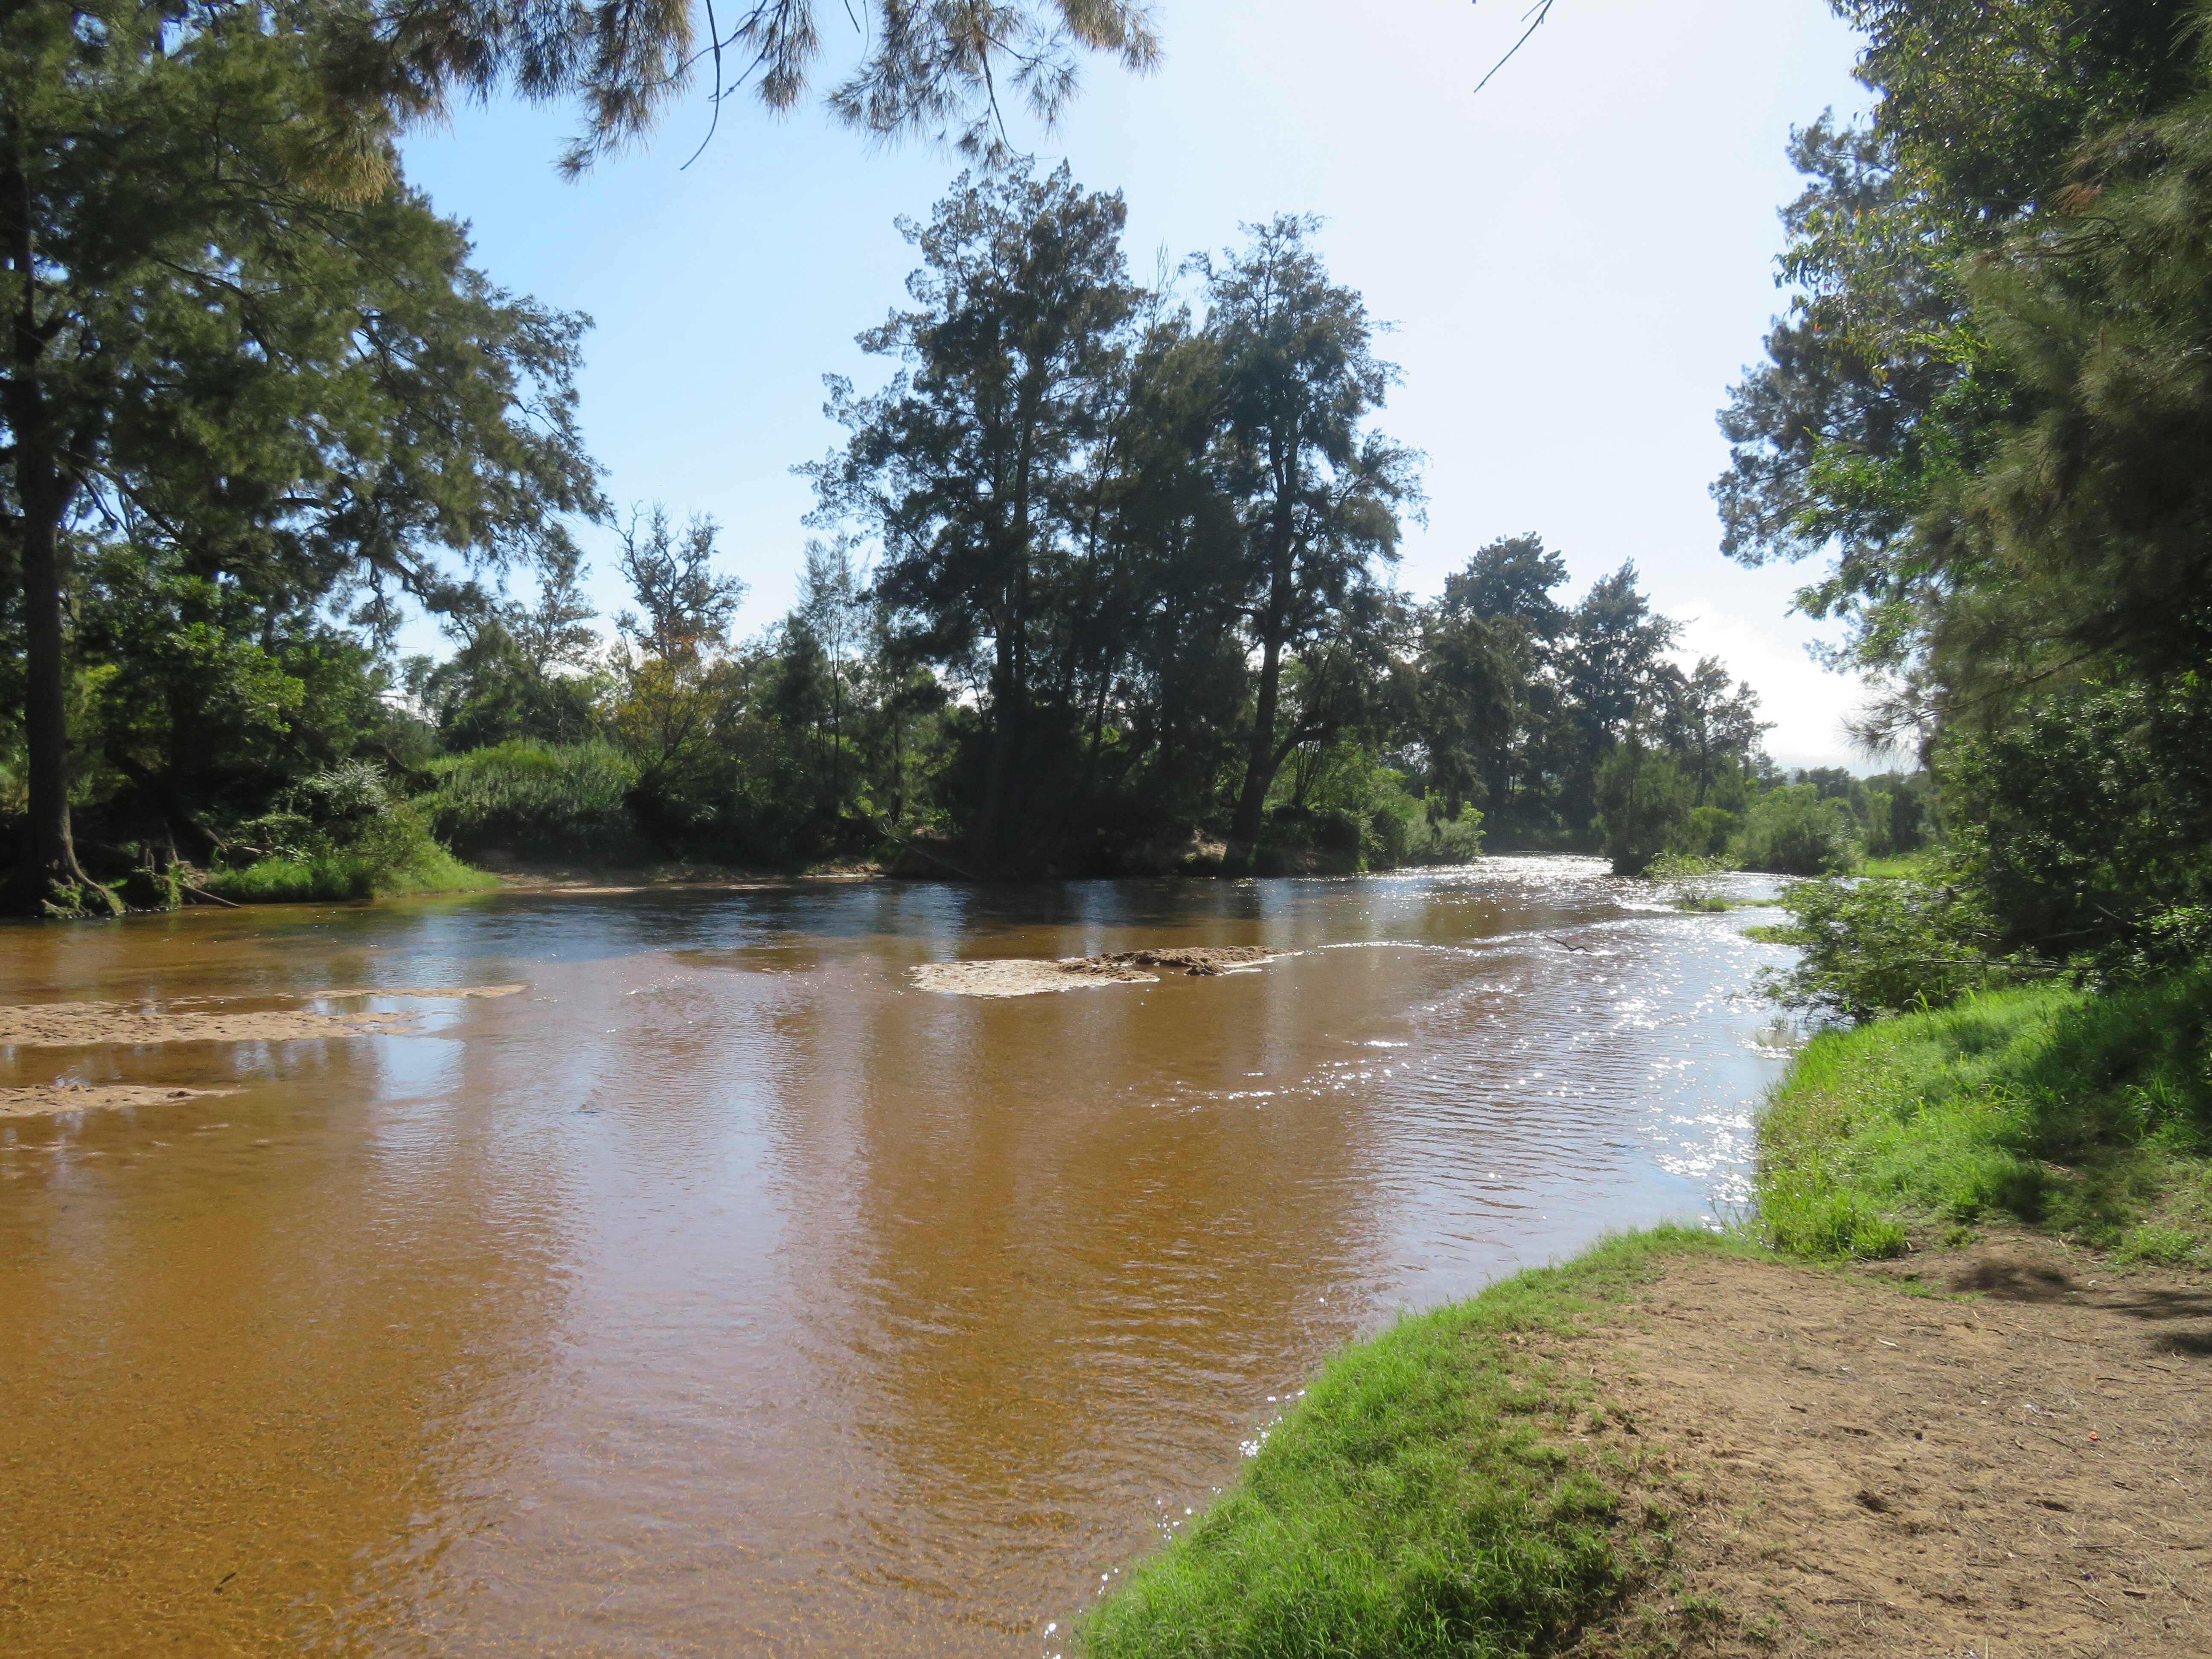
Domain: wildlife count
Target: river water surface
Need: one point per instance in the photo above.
(721, 1292)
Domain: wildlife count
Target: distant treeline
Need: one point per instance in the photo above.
(1100, 585)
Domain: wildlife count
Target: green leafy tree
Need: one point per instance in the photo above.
(237, 344)
(1987, 410)
(1644, 799)
(971, 467)
(1319, 495)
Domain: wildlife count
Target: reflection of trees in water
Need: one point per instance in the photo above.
(1060, 1280)
(271, 1371)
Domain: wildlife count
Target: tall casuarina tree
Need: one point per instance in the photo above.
(1321, 496)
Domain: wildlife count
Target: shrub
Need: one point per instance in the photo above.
(1689, 879)
(2082, 1110)
(339, 836)
(1881, 947)
(536, 798)
(1791, 831)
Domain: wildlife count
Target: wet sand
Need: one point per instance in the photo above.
(97, 1025)
(87, 1098)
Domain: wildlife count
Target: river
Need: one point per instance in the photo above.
(721, 1292)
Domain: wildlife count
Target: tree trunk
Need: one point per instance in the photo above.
(48, 880)
(1260, 762)
(51, 880)
(991, 829)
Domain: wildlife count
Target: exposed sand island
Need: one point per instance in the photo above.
(91, 1025)
(1029, 977)
(58, 1098)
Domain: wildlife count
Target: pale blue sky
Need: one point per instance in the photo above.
(1579, 262)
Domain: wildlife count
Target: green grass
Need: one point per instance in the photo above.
(2087, 1112)
(1436, 1491)
(1903, 866)
(339, 878)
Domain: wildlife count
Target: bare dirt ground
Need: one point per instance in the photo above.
(2015, 1462)
(1029, 977)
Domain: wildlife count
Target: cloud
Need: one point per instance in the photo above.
(1808, 704)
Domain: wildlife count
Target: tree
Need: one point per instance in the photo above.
(236, 342)
(1512, 577)
(1643, 800)
(971, 467)
(1319, 497)
(670, 663)
(688, 607)
(1711, 725)
(1989, 411)
(939, 69)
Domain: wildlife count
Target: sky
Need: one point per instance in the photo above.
(1577, 264)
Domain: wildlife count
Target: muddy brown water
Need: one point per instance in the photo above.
(722, 1292)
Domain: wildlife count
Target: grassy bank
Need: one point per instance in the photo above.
(1434, 1492)
(1436, 1489)
(2088, 1113)
(337, 877)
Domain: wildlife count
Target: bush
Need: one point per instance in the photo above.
(1791, 831)
(1413, 838)
(339, 878)
(532, 797)
(1710, 829)
(339, 836)
(1690, 880)
(1882, 947)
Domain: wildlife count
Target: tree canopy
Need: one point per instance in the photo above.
(1988, 411)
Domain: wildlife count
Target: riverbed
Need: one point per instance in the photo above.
(724, 1289)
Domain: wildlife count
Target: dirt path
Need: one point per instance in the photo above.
(1860, 1471)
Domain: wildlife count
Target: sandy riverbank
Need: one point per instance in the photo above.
(1676, 1444)
(2017, 1460)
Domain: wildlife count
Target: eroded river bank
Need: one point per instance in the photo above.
(725, 1289)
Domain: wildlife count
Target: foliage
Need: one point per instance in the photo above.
(1792, 831)
(1422, 1497)
(1875, 947)
(1318, 497)
(1100, 577)
(2089, 1112)
(340, 877)
(937, 71)
(535, 799)
(248, 361)
(1645, 801)
(2087, 821)
(1692, 878)
(970, 467)
(1988, 407)
(339, 834)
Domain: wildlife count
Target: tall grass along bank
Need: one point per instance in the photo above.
(2087, 1112)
